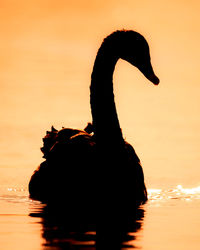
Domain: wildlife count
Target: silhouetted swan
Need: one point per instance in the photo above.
(96, 166)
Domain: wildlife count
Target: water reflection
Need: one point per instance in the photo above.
(64, 230)
(179, 193)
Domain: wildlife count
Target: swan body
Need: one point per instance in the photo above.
(96, 166)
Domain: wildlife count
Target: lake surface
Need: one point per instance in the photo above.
(170, 220)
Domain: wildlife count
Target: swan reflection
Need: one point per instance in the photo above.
(63, 230)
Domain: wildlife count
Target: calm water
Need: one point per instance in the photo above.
(170, 221)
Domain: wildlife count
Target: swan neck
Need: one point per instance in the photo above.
(104, 114)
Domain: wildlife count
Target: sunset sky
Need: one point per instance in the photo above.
(47, 50)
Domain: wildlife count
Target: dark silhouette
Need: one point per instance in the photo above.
(96, 169)
(60, 231)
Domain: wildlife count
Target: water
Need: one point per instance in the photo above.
(170, 222)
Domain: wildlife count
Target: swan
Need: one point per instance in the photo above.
(93, 166)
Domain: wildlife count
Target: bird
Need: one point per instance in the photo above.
(96, 166)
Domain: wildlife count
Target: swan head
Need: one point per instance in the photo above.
(133, 48)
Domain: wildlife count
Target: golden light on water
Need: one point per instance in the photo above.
(175, 193)
(195, 190)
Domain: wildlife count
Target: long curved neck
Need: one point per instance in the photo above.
(104, 114)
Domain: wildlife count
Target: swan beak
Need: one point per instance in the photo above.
(148, 72)
(153, 78)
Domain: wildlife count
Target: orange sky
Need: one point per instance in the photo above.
(47, 51)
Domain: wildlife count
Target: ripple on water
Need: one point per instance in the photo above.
(14, 195)
(20, 195)
(178, 193)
